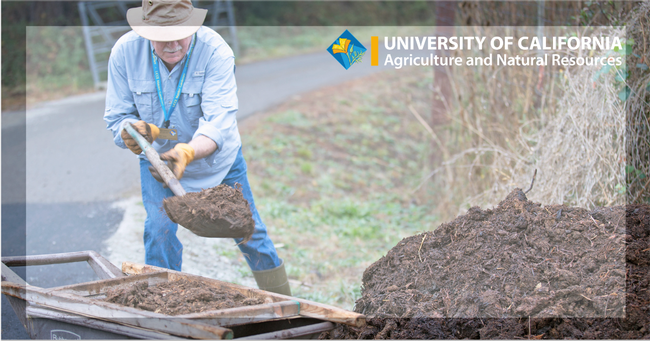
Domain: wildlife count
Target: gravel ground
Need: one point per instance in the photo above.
(200, 255)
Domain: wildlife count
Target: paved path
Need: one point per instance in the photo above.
(74, 173)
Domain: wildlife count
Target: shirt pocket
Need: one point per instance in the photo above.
(144, 95)
(191, 100)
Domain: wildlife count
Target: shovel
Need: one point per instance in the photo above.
(218, 212)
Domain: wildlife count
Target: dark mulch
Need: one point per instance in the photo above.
(178, 297)
(520, 270)
(217, 212)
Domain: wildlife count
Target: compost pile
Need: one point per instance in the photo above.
(178, 297)
(520, 270)
(217, 212)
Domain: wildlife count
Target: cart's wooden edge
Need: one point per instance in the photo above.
(80, 320)
(111, 312)
(279, 309)
(249, 314)
(307, 308)
(97, 286)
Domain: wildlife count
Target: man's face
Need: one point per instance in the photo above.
(171, 52)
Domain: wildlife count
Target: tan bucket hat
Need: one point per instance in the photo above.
(166, 20)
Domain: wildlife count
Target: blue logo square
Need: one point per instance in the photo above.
(347, 50)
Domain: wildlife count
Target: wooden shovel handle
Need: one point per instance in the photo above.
(158, 164)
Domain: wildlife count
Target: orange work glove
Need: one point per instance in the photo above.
(178, 157)
(149, 131)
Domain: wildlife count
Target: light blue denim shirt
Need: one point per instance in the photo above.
(207, 105)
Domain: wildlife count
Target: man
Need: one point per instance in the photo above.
(174, 80)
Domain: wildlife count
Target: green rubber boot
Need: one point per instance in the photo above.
(273, 280)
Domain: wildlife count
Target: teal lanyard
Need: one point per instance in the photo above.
(156, 72)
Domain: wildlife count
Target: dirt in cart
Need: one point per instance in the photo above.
(520, 270)
(217, 212)
(178, 297)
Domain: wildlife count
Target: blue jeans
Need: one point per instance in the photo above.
(162, 247)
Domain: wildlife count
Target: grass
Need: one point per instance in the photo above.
(332, 175)
(57, 65)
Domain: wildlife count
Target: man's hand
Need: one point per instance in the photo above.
(178, 157)
(149, 131)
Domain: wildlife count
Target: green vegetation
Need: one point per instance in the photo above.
(332, 13)
(268, 42)
(57, 64)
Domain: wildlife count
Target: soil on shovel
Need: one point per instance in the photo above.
(218, 212)
(178, 297)
(520, 270)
